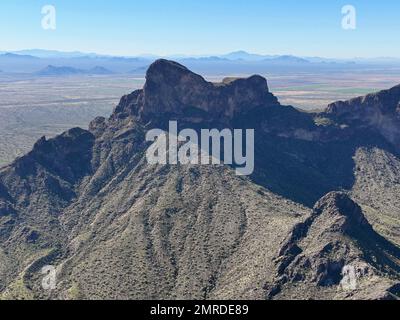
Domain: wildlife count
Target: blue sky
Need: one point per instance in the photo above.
(164, 27)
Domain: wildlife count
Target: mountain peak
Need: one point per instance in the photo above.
(165, 66)
(340, 205)
(173, 89)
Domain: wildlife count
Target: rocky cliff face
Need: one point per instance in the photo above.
(115, 227)
(378, 110)
(384, 102)
(174, 90)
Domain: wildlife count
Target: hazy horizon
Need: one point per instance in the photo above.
(190, 55)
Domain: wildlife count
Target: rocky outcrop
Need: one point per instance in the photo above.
(68, 156)
(334, 239)
(385, 102)
(171, 89)
(379, 110)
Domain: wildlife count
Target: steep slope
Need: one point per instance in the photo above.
(88, 202)
(171, 232)
(334, 238)
(34, 190)
(166, 232)
(377, 189)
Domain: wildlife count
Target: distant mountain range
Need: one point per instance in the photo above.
(66, 63)
(245, 56)
(9, 55)
(35, 60)
(41, 53)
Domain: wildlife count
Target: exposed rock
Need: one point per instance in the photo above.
(385, 102)
(171, 89)
(68, 155)
(379, 110)
(336, 237)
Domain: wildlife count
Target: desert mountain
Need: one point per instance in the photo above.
(115, 227)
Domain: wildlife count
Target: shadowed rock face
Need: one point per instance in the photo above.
(378, 110)
(67, 156)
(385, 102)
(118, 228)
(171, 89)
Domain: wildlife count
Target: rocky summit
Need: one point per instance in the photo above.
(318, 219)
(171, 89)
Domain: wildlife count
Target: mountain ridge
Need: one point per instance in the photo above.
(115, 227)
(29, 61)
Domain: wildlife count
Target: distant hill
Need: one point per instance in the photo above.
(65, 71)
(99, 71)
(16, 56)
(59, 71)
(140, 70)
(243, 55)
(286, 59)
(206, 59)
(41, 53)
